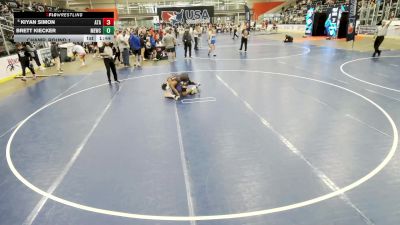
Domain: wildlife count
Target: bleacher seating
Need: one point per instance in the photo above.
(295, 13)
(8, 8)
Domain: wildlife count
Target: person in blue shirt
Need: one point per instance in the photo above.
(151, 46)
(134, 42)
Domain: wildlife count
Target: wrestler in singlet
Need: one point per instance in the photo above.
(177, 82)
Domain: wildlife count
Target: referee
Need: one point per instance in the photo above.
(109, 62)
(380, 36)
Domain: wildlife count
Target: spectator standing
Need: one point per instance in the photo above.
(235, 28)
(117, 53)
(153, 44)
(135, 43)
(55, 54)
(170, 42)
(34, 55)
(24, 58)
(107, 55)
(196, 35)
(142, 37)
(187, 41)
(124, 45)
(176, 31)
(245, 35)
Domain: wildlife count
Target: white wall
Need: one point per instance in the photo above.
(10, 66)
(394, 29)
(289, 27)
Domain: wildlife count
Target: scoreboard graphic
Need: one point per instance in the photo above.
(63, 26)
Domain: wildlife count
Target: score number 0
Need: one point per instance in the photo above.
(108, 26)
(108, 30)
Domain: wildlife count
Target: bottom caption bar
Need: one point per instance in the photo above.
(63, 38)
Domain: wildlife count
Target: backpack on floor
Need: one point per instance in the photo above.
(47, 62)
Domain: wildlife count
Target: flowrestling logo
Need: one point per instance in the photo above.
(186, 15)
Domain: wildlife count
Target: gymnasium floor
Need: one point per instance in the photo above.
(285, 134)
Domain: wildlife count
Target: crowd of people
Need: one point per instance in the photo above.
(142, 43)
(150, 44)
(4, 10)
(11, 6)
(145, 44)
(295, 13)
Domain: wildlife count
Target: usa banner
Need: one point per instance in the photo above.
(186, 15)
(351, 28)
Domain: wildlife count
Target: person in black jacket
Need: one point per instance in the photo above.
(55, 54)
(117, 53)
(24, 58)
(245, 36)
(187, 41)
(108, 57)
(382, 29)
(34, 54)
(176, 31)
(235, 29)
(196, 35)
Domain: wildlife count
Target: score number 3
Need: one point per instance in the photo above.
(108, 21)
